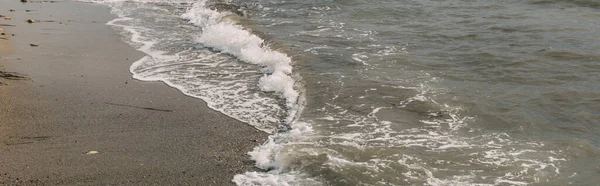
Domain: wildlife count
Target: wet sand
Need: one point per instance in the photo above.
(77, 96)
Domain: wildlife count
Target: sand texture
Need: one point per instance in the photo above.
(75, 95)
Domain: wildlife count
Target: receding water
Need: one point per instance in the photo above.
(389, 92)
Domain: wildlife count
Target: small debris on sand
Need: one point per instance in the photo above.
(31, 20)
(34, 45)
(12, 10)
(7, 18)
(92, 152)
(24, 1)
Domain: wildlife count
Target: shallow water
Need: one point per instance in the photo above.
(389, 92)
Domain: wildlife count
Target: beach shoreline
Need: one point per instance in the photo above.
(79, 118)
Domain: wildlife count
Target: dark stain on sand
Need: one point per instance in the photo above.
(11, 76)
(133, 106)
(25, 140)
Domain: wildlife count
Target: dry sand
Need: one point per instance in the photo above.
(78, 96)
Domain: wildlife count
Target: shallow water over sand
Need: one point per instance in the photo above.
(397, 92)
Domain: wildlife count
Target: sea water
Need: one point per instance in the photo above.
(388, 92)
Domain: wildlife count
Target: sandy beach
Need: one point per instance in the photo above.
(70, 113)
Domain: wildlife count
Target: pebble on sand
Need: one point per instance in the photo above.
(31, 20)
(92, 152)
(7, 18)
(34, 45)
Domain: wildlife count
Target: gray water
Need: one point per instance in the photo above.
(400, 92)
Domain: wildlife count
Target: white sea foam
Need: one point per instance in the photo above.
(257, 178)
(227, 36)
(272, 155)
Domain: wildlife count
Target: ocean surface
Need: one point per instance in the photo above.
(388, 92)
